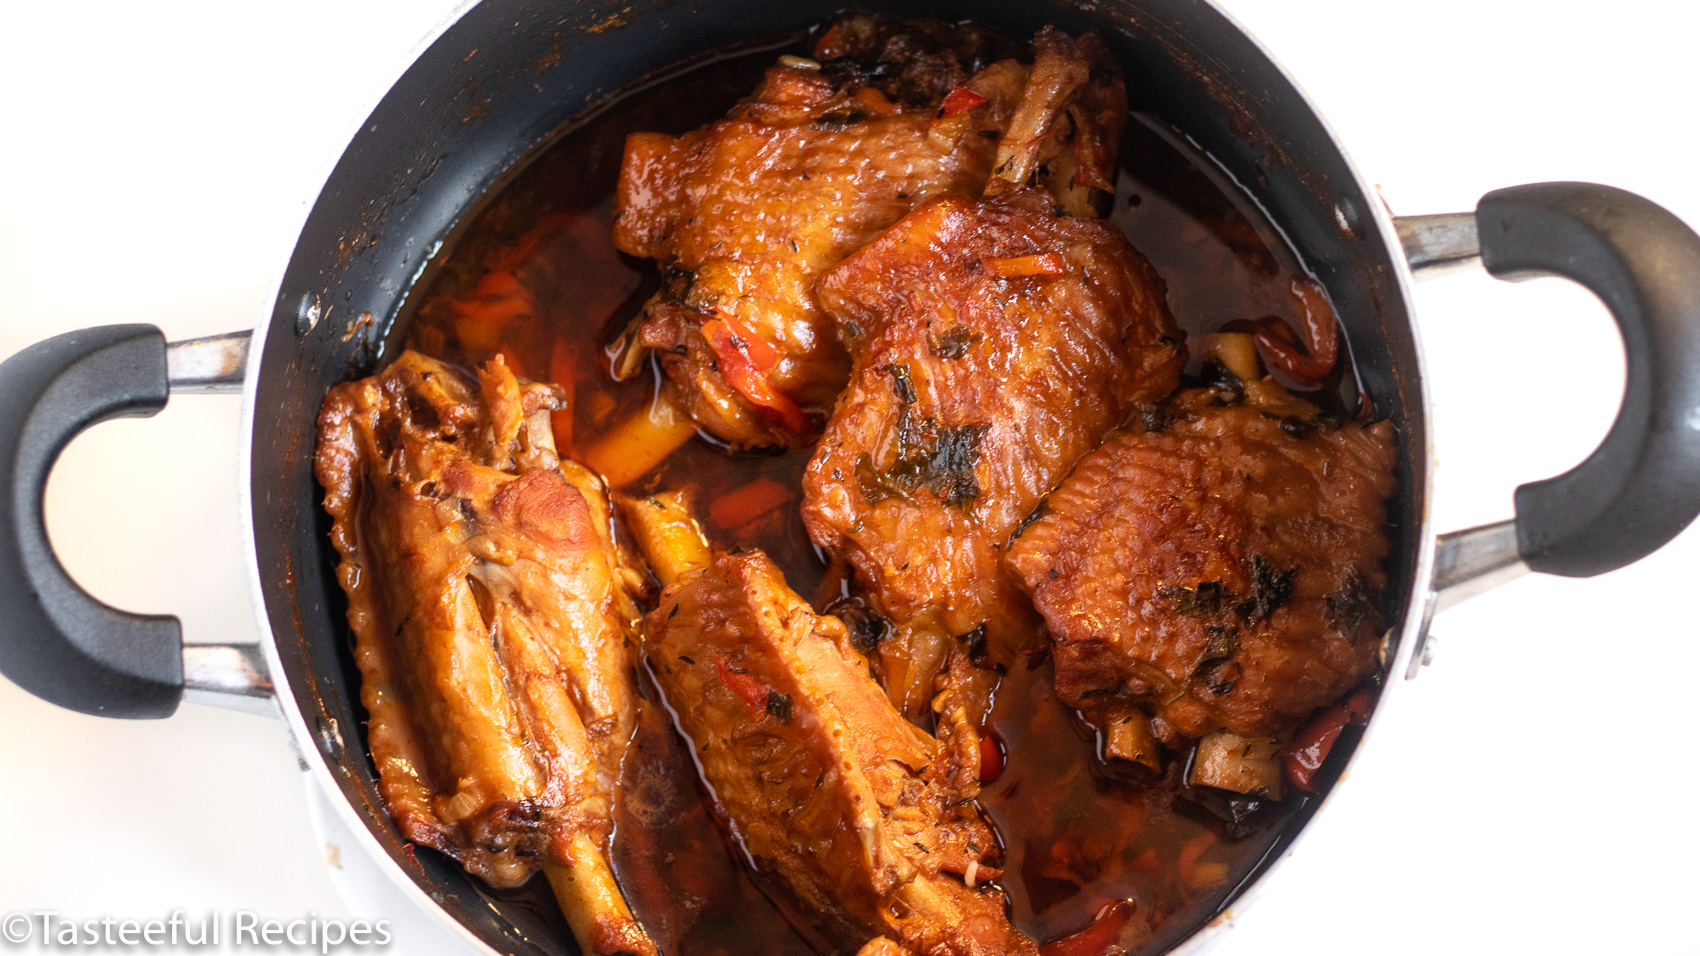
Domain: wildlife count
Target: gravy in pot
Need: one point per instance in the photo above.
(535, 277)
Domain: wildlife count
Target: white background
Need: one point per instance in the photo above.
(1529, 792)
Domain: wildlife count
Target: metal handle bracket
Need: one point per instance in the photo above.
(212, 363)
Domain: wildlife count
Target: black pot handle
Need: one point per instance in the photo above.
(60, 643)
(1641, 487)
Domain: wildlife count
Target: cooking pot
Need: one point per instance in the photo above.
(457, 122)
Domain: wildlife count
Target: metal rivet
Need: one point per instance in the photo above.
(1428, 651)
(306, 313)
(1346, 216)
(330, 738)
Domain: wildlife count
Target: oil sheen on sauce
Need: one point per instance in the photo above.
(535, 276)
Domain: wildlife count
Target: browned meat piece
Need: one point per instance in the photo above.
(492, 628)
(884, 947)
(996, 343)
(1221, 570)
(745, 213)
(864, 823)
(1063, 136)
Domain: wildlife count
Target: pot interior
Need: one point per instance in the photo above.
(510, 78)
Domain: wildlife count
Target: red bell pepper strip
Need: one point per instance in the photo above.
(745, 686)
(746, 504)
(1307, 751)
(744, 361)
(1094, 940)
(958, 101)
(991, 758)
(1322, 339)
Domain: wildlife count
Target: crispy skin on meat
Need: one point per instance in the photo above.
(492, 627)
(745, 213)
(995, 342)
(863, 821)
(1223, 572)
(974, 393)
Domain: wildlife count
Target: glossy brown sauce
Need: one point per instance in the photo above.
(535, 276)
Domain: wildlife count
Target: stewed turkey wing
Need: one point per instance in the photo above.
(745, 213)
(864, 823)
(1219, 568)
(492, 624)
(1062, 138)
(995, 342)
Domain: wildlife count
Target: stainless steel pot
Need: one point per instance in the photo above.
(419, 166)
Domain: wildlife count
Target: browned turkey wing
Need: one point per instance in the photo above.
(1063, 136)
(996, 343)
(492, 625)
(865, 823)
(745, 213)
(1222, 569)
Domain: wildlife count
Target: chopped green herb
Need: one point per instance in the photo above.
(1270, 589)
(901, 383)
(953, 344)
(1352, 609)
(1223, 380)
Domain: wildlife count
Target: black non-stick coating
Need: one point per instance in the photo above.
(510, 74)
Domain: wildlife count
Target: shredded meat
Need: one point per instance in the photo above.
(1222, 570)
(745, 213)
(863, 822)
(492, 624)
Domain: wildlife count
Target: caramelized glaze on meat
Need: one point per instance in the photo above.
(492, 627)
(745, 213)
(864, 822)
(976, 389)
(995, 342)
(1222, 571)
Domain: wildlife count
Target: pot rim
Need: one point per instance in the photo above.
(1417, 607)
(1419, 601)
(307, 748)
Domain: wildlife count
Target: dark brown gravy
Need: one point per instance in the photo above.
(1077, 837)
